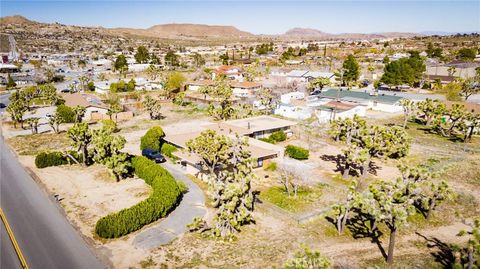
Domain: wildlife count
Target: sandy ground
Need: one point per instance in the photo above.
(88, 194)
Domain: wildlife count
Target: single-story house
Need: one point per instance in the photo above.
(261, 126)
(380, 102)
(196, 85)
(339, 110)
(90, 102)
(288, 97)
(296, 76)
(231, 72)
(293, 111)
(244, 88)
(251, 128)
(103, 87)
(311, 75)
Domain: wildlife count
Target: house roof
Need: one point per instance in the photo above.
(227, 69)
(245, 84)
(257, 150)
(205, 82)
(338, 106)
(317, 74)
(297, 73)
(260, 123)
(359, 97)
(82, 99)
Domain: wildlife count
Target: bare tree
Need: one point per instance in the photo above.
(293, 174)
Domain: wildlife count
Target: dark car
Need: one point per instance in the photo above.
(2, 105)
(153, 155)
(65, 91)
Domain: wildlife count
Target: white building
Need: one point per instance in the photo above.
(334, 110)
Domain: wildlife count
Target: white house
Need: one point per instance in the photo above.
(379, 102)
(296, 76)
(244, 88)
(196, 85)
(339, 110)
(103, 87)
(293, 112)
(288, 97)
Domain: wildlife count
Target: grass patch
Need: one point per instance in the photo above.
(36, 143)
(305, 196)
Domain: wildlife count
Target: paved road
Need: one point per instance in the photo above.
(191, 206)
(8, 257)
(45, 236)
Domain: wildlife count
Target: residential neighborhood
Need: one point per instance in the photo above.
(239, 141)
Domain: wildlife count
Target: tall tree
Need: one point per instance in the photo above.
(174, 83)
(229, 174)
(121, 64)
(142, 56)
(153, 106)
(81, 137)
(351, 70)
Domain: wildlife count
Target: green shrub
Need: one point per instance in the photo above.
(272, 166)
(268, 140)
(66, 113)
(279, 136)
(168, 149)
(164, 198)
(182, 186)
(295, 152)
(152, 139)
(46, 159)
(110, 125)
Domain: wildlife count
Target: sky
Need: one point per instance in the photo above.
(260, 17)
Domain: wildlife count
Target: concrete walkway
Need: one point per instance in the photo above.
(191, 206)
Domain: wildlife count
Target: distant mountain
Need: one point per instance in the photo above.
(17, 19)
(443, 33)
(308, 33)
(187, 31)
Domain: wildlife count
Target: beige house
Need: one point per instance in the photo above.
(252, 128)
(93, 105)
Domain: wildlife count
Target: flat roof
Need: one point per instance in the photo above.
(356, 96)
(257, 150)
(260, 123)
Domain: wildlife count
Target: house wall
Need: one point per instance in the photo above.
(293, 112)
(325, 116)
(390, 108)
(194, 88)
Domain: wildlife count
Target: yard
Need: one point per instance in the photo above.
(283, 223)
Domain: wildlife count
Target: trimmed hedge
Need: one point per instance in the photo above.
(47, 159)
(55, 158)
(295, 152)
(164, 198)
(152, 139)
(168, 149)
(279, 136)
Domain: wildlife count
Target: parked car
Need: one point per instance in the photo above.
(65, 91)
(153, 155)
(2, 105)
(48, 115)
(316, 92)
